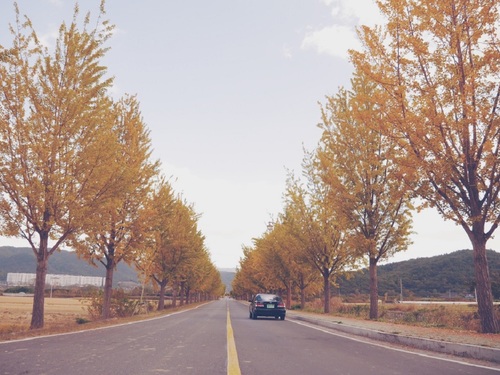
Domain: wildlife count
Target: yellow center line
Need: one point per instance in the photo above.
(233, 366)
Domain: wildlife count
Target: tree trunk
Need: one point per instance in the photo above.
(489, 322)
(302, 299)
(326, 292)
(289, 294)
(373, 289)
(302, 293)
(181, 294)
(108, 289)
(161, 299)
(174, 294)
(38, 312)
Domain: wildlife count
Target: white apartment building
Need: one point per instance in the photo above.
(20, 279)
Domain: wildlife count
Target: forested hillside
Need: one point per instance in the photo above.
(22, 259)
(450, 275)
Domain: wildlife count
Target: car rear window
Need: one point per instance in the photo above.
(268, 298)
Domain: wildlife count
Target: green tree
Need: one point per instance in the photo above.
(361, 164)
(56, 139)
(438, 63)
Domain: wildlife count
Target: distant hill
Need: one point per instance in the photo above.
(450, 274)
(227, 277)
(22, 259)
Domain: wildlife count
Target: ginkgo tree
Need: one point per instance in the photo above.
(152, 263)
(309, 242)
(317, 222)
(203, 282)
(277, 259)
(438, 62)
(175, 246)
(118, 231)
(250, 278)
(277, 263)
(283, 252)
(57, 146)
(211, 285)
(360, 163)
(191, 270)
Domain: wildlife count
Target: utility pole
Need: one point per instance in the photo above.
(401, 289)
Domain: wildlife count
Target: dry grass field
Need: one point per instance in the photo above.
(60, 314)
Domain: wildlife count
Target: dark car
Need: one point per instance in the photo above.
(267, 305)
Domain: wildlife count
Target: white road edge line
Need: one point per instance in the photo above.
(106, 327)
(389, 347)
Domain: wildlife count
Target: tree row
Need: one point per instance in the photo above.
(418, 127)
(76, 167)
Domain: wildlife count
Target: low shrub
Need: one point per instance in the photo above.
(19, 289)
(354, 310)
(452, 316)
(121, 305)
(445, 316)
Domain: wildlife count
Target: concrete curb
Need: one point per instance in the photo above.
(460, 350)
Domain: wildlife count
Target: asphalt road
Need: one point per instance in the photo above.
(196, 342)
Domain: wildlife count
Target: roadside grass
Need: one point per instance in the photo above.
(60, 315)
(72, 314)
(457, 317)
(450, 316)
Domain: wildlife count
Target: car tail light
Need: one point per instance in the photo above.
(259, 304)
(281, 304)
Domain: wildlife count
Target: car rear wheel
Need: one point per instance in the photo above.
(250, 315)
(282, 317)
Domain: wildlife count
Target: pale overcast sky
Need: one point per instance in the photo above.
(230, 90)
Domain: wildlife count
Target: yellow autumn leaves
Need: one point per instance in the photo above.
(76, 167)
